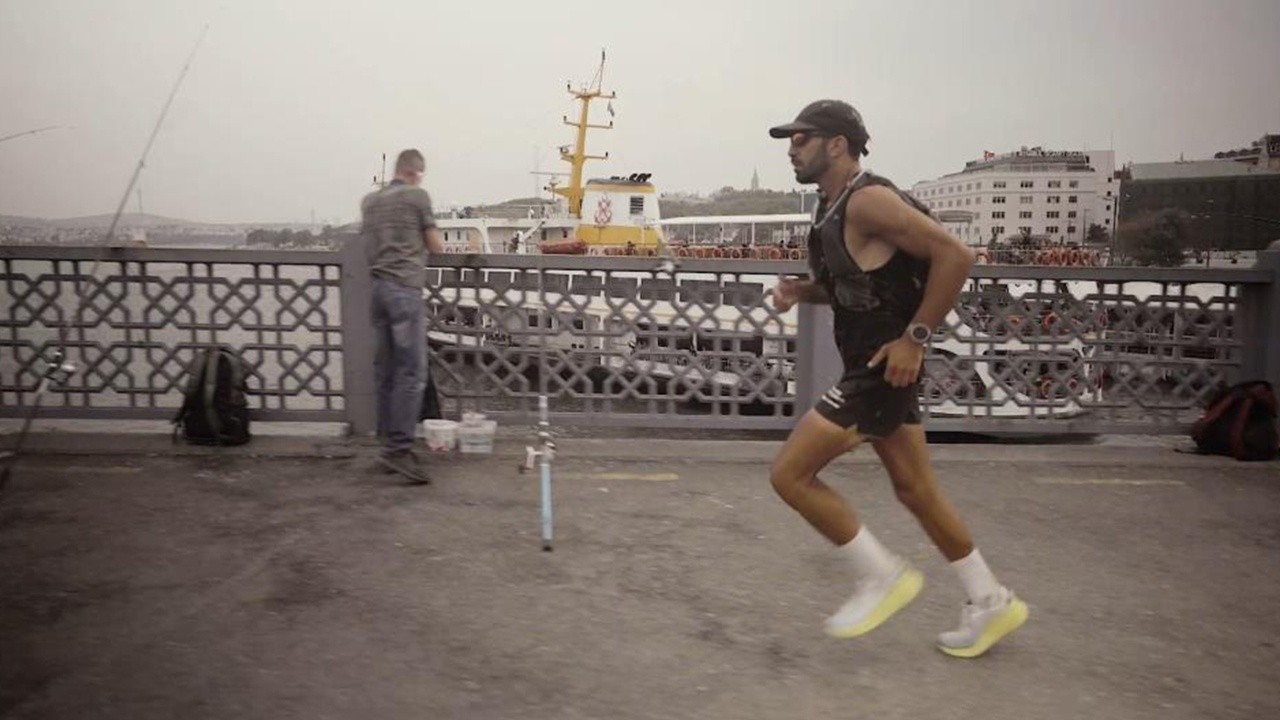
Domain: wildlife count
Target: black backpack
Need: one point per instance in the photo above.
(1240, 421)
(215, 410)
(430, 409)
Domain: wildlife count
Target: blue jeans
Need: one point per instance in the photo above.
(399, 361)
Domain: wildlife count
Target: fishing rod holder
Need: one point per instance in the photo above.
(546, 441)
(57, 371)
(533, 455)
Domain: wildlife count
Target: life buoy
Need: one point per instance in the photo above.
(1043, 258)
(1046, 388)
(1097, 258)
(1074, 257)
(604, 211)
(775, 253)
(1050, 321)
(794, 254)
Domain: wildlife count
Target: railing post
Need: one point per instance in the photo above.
(818, 361)
(357, 340)
(1260, 322)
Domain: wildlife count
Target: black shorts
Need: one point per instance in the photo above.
(863, 399)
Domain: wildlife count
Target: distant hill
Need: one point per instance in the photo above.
(734, 202)
(23, 221)
(511, 209)
(144, 221)
(127, 220)
(725, 202)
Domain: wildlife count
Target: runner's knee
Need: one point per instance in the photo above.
(788, 481)
(916, 496)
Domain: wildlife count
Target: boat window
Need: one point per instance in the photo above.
(637, 204)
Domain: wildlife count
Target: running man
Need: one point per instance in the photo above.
(890, 273)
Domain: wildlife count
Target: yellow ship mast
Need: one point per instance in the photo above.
(578, 157)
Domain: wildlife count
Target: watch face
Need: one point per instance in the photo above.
(920, 333)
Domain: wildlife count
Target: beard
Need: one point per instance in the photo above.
(810, 172)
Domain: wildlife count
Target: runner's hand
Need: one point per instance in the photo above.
(786, 293)
(902, 359)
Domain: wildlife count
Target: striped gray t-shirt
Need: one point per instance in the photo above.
(393, 220)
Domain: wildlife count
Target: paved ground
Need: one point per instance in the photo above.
(275, 582)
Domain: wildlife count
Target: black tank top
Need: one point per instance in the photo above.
(871, 308)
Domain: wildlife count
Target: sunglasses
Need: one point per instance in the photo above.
(801, 139)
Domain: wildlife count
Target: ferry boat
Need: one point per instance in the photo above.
(613, 215)
(985, 366)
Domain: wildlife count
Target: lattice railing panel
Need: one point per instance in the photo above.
(143, 321)
(616, 341)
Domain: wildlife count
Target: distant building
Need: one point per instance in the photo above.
(1232, 201)
(1053, 194)
(755, 179)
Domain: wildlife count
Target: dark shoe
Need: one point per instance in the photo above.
(407, 464)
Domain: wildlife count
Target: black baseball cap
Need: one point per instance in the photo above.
(832, 117)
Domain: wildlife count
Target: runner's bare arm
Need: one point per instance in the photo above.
(790, 291)
(811, 292)
(878, 213)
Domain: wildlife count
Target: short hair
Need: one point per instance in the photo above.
(410, 160)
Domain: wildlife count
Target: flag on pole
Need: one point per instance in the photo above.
(609, 107)
(987, 154)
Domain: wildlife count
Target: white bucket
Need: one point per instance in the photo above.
(441, 435)
(477, 436)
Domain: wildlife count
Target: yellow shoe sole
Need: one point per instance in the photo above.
(1010, 620)
(903, 592)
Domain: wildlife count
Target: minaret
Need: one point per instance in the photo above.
(755, 179)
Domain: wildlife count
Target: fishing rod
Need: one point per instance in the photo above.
(543, 455)
(58, 369)
(33, 132)
(546, 450)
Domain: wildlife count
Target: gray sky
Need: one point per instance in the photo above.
(290, 103)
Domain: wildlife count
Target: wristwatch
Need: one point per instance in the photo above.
(919, 333)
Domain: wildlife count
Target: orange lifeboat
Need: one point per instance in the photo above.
(567, 246)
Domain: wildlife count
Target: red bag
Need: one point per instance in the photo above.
(1240, 422)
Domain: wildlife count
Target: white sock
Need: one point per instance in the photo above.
(978, 580)
(867, 556)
